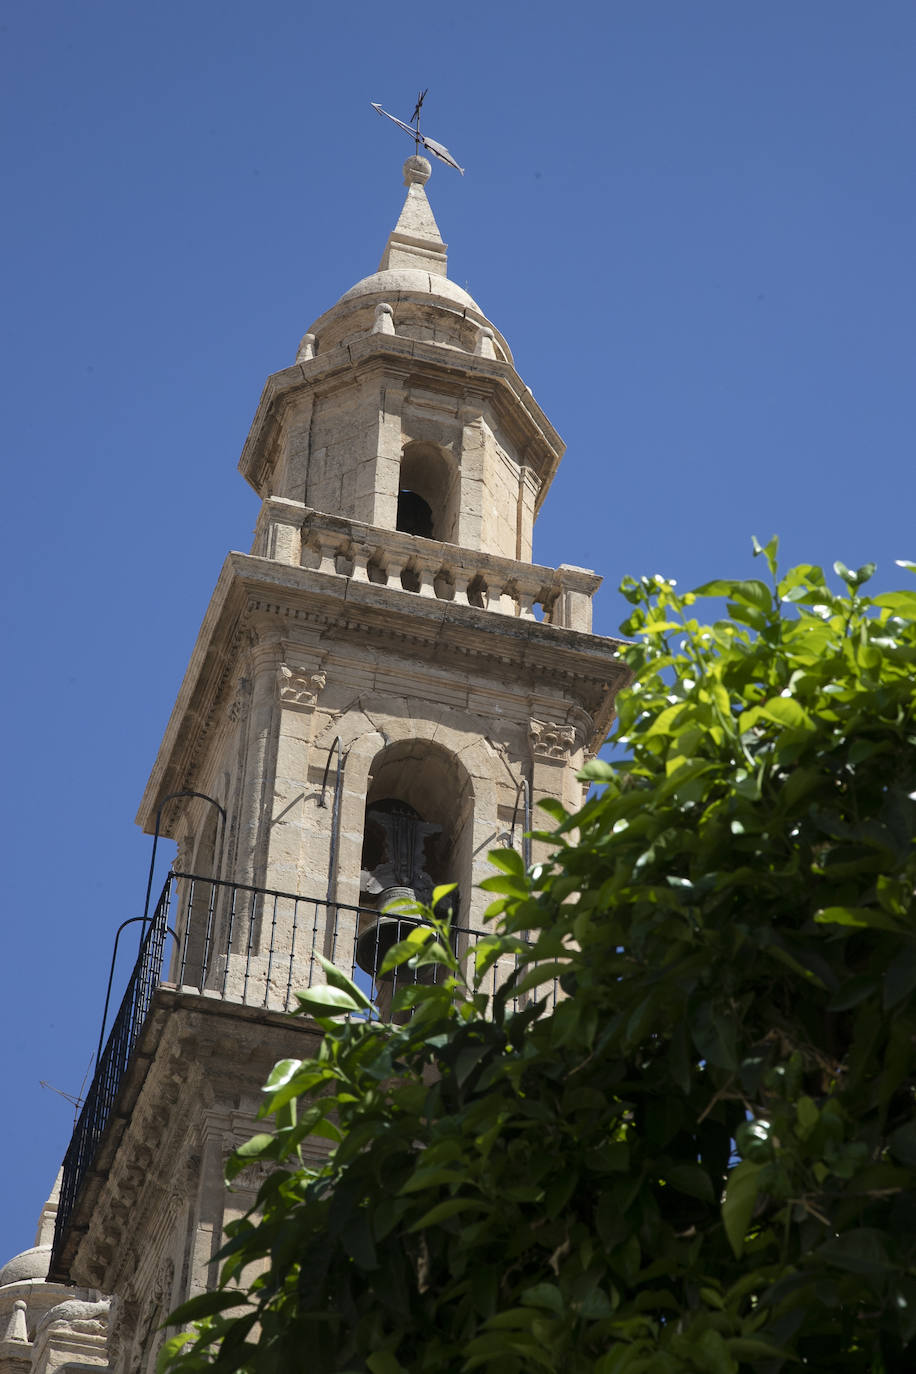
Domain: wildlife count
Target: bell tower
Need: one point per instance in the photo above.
(389, 619)
(380, 692)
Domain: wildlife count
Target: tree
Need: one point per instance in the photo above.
(701, 1155)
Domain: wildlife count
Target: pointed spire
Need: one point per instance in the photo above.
(415, 240)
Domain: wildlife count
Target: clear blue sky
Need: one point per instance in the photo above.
(694, 220)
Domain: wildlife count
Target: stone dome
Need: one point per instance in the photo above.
(413, 280)
(30, 1264)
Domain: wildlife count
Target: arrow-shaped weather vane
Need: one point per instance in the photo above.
(413, 129)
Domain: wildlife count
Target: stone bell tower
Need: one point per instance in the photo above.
(379, 693)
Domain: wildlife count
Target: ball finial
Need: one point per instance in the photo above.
(417, 170)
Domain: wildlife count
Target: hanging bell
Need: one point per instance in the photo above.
(375, 942)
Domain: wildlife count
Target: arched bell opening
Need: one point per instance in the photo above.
(428, 492)
(417, 835)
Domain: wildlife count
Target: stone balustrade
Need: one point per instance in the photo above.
(290, 532)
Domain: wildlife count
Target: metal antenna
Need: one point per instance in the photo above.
(438, 150)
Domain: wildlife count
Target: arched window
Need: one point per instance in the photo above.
(428, 493)
(417, 835)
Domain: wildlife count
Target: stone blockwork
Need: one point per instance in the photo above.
(154, 1207)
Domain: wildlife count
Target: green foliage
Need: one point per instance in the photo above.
(702, 1157)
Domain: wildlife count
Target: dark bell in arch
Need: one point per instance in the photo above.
(378, 939)
(415, 515)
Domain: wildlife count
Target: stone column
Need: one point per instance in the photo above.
(471, 458)
(292, 474)
(377, 477)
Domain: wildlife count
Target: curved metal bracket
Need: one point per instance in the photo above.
(524, 791)
(185, 792)
(335, 811)
(114, 954)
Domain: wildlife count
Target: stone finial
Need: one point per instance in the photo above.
(484, 347)
(17, 1329)
(384, 319)
(415, 241)
(417, 170)
(307, 348)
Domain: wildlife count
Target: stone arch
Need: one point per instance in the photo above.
(428, 492)
(460, 735)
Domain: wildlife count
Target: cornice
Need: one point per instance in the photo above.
(255, 593)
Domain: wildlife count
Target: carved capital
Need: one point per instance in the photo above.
(554, 741)
(299, 686)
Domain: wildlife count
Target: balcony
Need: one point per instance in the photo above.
(245, 947)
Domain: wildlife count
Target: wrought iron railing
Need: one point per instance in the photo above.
(249, 946)
(112, 1066)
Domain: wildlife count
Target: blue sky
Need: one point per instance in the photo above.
(693, 220)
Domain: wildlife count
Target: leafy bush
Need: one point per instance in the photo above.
(702, 1157)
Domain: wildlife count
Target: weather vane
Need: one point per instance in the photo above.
(413, 129)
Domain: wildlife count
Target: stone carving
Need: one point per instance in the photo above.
(89, 1318)
(299, 686)
(553, 741)
(238, 708)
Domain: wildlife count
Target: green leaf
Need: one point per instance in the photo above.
(407, 948)
(280, 1074)
(740, 1199)
(545, 1295)
(900, 978)
(431, 1178)
(768, 550)
(898, 603)
(902, 1144)
(596, 770)
(450, 1208)
(862, 1251)
(206, 1305)
(508, 861)
(692, 1180)
(337, 979)
(861, 917)
(785, 711)
(383, 1362)
(326, 1000)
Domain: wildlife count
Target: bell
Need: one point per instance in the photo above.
(374, 943)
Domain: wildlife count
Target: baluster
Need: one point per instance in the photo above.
(360, 571)
(502, 601)
(526, 599)
(327, 553)
(426, 573)
(461, 588)
(395, 564)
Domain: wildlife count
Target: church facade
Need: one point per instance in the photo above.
(380, 692)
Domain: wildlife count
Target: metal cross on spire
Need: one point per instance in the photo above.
(413, 129)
